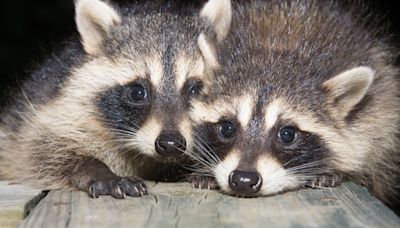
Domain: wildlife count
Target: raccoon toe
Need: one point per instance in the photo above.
(133, 186)
(126, 186)
(326, 180)
(111, 187)
(203, 182)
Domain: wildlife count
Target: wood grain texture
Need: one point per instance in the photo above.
(12, 200)
(177, 205)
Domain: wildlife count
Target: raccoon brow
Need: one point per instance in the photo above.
(190, 82)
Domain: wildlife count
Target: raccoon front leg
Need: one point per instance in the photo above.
(95, 178)
(326, 180)
(68, 170)
(203, 182)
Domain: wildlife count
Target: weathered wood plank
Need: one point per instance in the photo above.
(12, 200)
(177, 205)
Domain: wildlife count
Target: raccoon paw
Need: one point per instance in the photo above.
(326, 180)
(203, 182)
(118, 188)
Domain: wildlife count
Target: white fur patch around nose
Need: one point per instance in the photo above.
(224, 169)
(185, 128)
(145, 138)
(275, 177)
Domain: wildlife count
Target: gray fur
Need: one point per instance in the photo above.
(288, 49)
(63, 129)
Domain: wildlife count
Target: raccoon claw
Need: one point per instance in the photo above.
(326, 180)
(111, 187)
(203, 182)
(130, 186)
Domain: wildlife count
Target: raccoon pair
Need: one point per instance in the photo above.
(304, 93)
(266, 96)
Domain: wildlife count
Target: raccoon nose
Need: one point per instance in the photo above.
(170, 144)
(245, 183)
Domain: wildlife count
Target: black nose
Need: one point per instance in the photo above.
(245, 183)
(169, 144)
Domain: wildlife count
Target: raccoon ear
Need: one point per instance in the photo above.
(94, 19)
(218, 15)
(208, 52)
(348, 88)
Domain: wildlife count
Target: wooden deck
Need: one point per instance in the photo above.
(177, 205)
(12, 200)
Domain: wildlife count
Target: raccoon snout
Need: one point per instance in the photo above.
(169, 144)
(244, 182)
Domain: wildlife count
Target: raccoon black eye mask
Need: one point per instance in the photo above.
(249, 161)
(303, 94)
(113, 107)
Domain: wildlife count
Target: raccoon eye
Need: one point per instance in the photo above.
(195, 88)
(227, 129)
(138, 93)
(287, 135)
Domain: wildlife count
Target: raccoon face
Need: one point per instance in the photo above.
(151, 116)
(259, 152)
(278, 114)
(263, 145)
(168, 70)
(144, 70)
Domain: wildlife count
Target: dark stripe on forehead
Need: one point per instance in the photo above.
(168, 59)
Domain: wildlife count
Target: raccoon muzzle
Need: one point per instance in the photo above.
(170, 144)
(244, 182)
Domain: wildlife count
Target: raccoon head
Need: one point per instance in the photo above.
(259, 145)
(273, 119)
(143, 69)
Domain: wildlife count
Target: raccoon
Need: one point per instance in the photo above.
(305, 93)
(113, 106)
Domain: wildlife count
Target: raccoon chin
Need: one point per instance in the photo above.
(172, 159)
